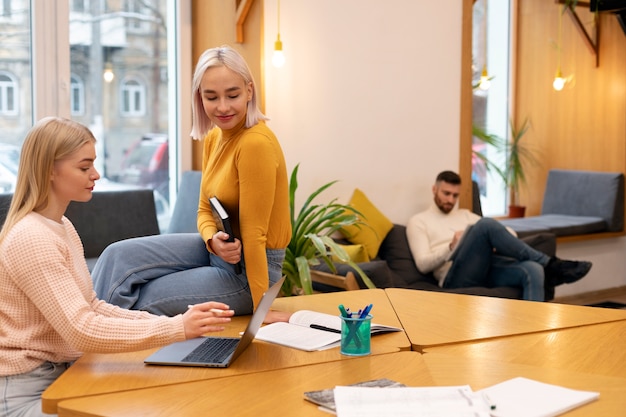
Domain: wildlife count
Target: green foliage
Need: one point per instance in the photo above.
(519, 154)
(311, 240)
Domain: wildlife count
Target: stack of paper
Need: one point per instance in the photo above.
(517, 397)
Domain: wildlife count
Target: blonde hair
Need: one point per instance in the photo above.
(49, 140)
(217, 57)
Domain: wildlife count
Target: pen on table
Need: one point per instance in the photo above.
(490, 404)
(327, 329)
(343, 311)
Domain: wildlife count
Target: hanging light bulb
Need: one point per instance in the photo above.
(559, 80)
(484, 82)
(278, 59)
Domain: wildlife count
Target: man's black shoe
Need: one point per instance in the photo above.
(565, 272)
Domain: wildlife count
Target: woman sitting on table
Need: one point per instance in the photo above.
(49, 312)
(244, 167)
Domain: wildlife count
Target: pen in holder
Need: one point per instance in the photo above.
(356, 335)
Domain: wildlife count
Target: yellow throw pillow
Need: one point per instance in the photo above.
(356, 253)
(375, 227)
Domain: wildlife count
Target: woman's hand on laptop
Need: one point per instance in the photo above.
(206, 317)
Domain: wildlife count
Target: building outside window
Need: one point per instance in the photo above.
(122, 109)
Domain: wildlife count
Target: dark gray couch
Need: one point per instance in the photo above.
(108, 217)
(395, 266)
(575, 203)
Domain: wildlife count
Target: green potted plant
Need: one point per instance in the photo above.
(518, 156)
(311, 240)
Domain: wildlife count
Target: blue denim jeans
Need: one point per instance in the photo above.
(163, 274)
(21, 394)
(490, 256)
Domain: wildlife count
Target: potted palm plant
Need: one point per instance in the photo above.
(518, 156)
(311, 240)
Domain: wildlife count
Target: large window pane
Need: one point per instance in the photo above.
(119, 50)
(15, 86)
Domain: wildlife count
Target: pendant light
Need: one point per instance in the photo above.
(278, 59)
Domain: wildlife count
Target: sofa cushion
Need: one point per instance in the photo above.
(111, 216)
(396, 252)
(375, 227)
(587, 194)
(559, 224)
(356, 253)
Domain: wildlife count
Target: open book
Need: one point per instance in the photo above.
(310, 331)
(458, 244)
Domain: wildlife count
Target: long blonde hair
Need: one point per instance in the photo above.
(49, 140)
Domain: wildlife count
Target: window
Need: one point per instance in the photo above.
(77, 96)
(68, 78)
(136, 12)
(8, 95)
(491, 46)
(133, 97)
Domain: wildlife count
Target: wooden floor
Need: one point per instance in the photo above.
(614, 294)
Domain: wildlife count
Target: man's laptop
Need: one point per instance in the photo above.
(215, 352)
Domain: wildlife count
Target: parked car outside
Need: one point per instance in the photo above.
(9, 162)
(146, 164)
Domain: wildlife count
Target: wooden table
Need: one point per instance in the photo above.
(436, 319)
(280, 392)
(594, 349)
(105, 373)
(481, 373)
(272, 393)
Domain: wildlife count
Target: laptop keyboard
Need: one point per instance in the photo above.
(212, 350)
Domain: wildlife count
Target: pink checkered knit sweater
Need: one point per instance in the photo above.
(49, 310)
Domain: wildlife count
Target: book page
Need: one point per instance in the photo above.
(457, 401)
(299, 337)
(306, 318)
(528, 398)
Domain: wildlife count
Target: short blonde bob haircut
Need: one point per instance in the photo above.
(51, 139)
(231, 59)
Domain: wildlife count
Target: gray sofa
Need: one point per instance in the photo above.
(108, 217)
(395, 267)
(575, 203)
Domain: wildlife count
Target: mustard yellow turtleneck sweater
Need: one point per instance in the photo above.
(245, 169)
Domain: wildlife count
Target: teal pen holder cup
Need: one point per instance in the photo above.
(356, 335)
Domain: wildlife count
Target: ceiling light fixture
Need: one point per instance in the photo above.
(278, 59)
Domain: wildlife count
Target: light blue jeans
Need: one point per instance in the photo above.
(163, 274)
(21, 394)
(490, 256)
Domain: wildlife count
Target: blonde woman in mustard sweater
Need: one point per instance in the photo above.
(49, 312)
(244, 167)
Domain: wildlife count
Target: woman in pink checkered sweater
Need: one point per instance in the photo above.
(49, 312)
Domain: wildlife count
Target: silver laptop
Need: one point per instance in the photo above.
(215, 352)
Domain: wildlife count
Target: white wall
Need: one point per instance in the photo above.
(369, 95)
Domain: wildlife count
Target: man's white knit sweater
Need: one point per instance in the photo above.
(49, 310)
(429, 234)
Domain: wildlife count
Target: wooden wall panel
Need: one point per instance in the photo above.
(583, 126)
(214, 24)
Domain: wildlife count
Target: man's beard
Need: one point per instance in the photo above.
(444, 207)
